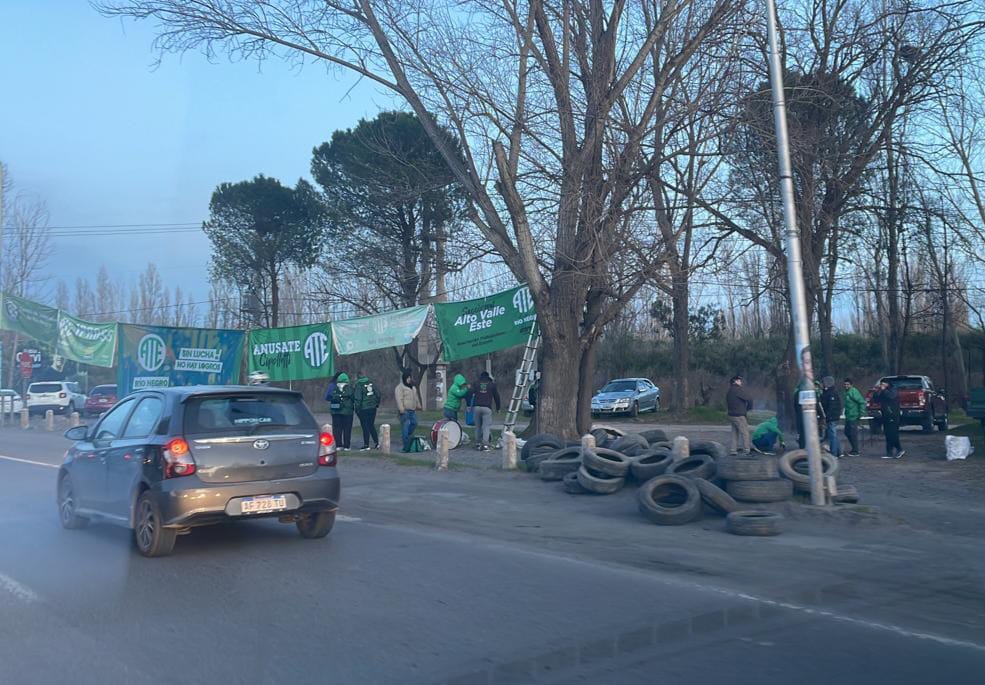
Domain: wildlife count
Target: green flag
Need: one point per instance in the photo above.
(292, 353)
(85, 341)
(34, 320)
(390, 329)
(486, 324)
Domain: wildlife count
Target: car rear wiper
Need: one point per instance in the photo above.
(255, 426)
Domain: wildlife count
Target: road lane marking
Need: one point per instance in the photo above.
(343, 517)
(29, 461)
(19, 591)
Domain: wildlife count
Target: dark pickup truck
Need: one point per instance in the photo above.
(920, 404)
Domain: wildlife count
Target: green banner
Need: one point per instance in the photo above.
(292, 353)
(486, 324)
(390, 329)
(34, 320)
(85, 341)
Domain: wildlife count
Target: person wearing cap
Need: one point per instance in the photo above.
(887, 397)
(483, 396)
(831, 406)
(738, 402)
(342, 406)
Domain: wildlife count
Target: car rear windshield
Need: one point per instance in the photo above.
(45, 387)
(620, 386)
(906, 383)
(103, 390)
(246, 413)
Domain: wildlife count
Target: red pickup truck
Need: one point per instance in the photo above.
(920, 404)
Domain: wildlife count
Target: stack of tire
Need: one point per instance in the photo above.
(793, 467)
(753, 480)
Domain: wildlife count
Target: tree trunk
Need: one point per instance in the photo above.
(894, 337)
(557, 402)
(586, 388)
(680, 400)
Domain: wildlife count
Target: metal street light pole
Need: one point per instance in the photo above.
(795, 270)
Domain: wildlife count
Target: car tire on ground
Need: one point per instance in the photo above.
(67, 504)
(793, 465)
(316, 525)
(653, 435)
(715, 497)
(535, 442)
(694, 466)
(600, 483)
(632, 442)
(748, 468)
(572, 485)
(715, 449)
(151, 539)
(669, 500)
(767, 490)
(650, 464)
(635, 410)
(754, 523)
(601, 437)
(609, 462)
(560, 464)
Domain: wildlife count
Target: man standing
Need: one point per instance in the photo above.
(456, 392)
(408, 405)
(366, 400)
(342, 406)
(739, 403)
(854, 408)
(482, 397)
(888, 399)
(831, 406)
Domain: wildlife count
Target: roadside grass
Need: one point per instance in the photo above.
(398, 459)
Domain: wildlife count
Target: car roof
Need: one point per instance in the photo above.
(105, 385)
(628, 379)
(183, 392)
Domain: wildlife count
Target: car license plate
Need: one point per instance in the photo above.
(263, 503)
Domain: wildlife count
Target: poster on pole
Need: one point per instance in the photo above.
(162, 356)
(292, 353)
(390, 329)
(487, 324)
(36, 321)
(85, 341)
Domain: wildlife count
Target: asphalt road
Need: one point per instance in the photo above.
(385, 602)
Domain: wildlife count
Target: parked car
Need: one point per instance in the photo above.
(920, 404)
(62, 397)
(626, 396)
(10, 401)
(166, 460)
(100, 399)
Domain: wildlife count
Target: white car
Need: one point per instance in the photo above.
(62, 397)
(10, 401)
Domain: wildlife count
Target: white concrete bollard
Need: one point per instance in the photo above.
(441, 459)
(508, 439)
(385, 438)
(73, 420)
(588, 442)
(49, 420)
(25, 419)
(681, 448)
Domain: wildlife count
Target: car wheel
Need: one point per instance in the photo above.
(928, 424)
(313, 526)
(635, 411)
(656, 406)
(67, 505)
(942, 425)
(151, 538)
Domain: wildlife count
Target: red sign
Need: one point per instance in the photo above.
(27, 364)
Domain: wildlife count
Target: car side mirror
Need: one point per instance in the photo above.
(77, 433)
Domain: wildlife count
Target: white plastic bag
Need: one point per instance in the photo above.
(957, 447)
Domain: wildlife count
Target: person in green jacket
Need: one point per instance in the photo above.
(854, 409)
(366, 399)
(456, 392)
(342, 405)
(766, 436)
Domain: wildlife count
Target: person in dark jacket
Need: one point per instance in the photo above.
(341, 404)
(831, 406)
(366, 399)
(887, 398)
(738, 402)
(482, 397)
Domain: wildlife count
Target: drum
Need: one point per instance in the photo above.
(455, 435)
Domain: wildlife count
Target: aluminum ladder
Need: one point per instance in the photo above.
(527, 365)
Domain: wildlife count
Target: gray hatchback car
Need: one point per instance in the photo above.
(166, 460)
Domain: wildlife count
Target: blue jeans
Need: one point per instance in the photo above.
(450, 414)
(831, 435)
(408, 423)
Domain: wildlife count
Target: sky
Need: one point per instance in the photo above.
(105, 137)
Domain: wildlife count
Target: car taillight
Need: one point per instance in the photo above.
(178, 459)
(923, 400)
(326, 450)
(62, 395)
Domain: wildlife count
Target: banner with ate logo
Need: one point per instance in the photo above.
(86, 342)
(34, 320)
(162, 356)
(486, 324)
(292, 353)
(390, 329)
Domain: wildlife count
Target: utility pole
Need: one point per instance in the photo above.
(795, 270)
